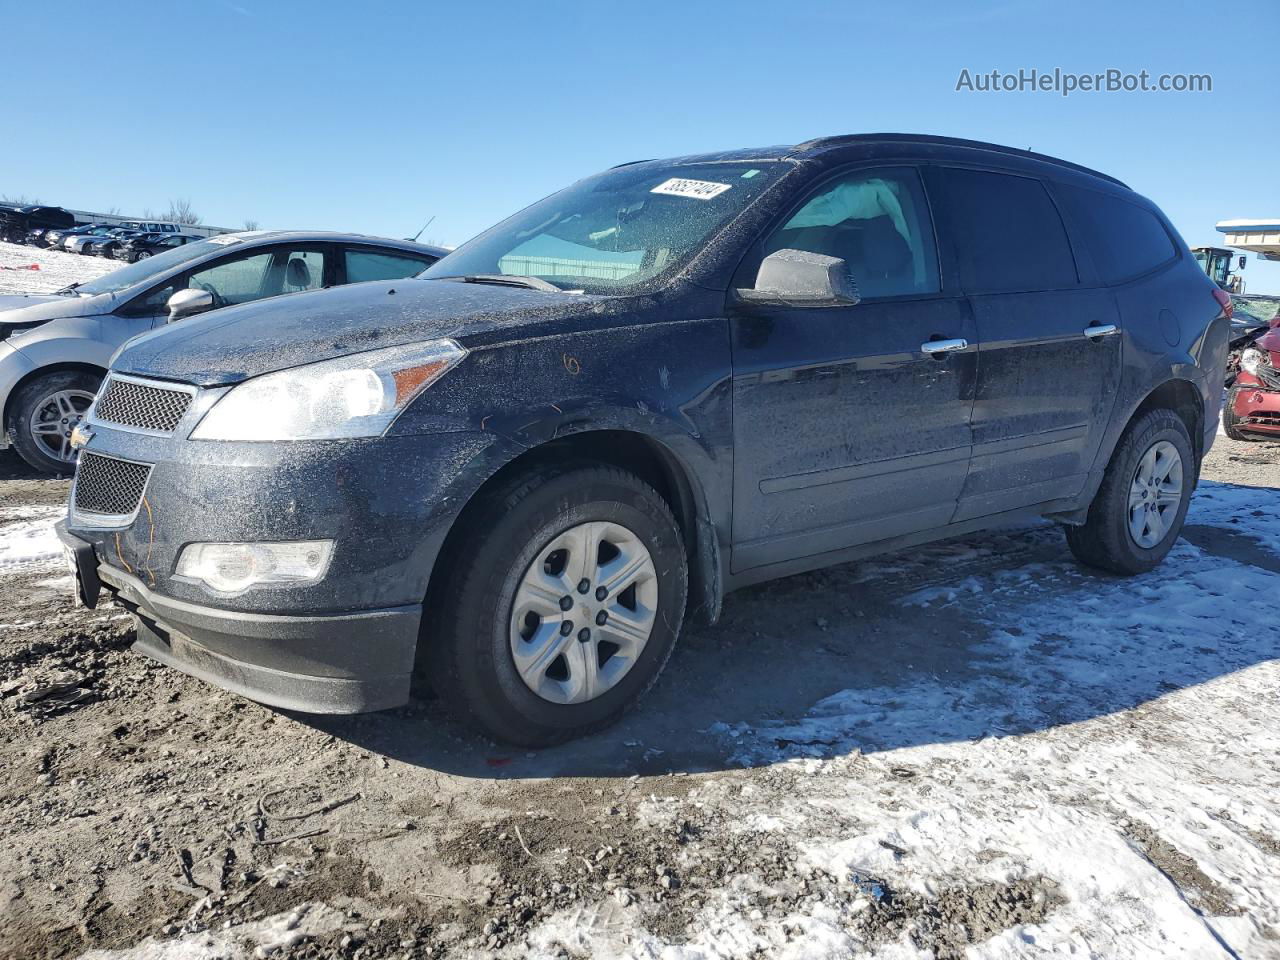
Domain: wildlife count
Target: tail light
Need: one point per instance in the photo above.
(1224, 301)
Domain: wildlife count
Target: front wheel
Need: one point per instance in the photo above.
(1138, 511)
(44, 412)
(562, 605)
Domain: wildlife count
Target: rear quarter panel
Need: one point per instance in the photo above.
(1173, 329)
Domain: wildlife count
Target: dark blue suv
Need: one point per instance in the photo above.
(522, 470)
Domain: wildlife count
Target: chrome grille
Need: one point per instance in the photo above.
(110, 486)
(133, 404)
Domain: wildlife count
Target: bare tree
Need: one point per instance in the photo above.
(180, 211)
(251, 224)
(113, 211)
(19, 199)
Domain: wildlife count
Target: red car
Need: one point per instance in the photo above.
(1252, 410)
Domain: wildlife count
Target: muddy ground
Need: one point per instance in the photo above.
(140, 808)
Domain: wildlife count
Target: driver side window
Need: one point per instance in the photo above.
(878, 222)
(234, 281)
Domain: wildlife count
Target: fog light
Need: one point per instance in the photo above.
(233, 567)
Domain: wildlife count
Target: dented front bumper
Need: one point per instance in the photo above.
(1255, 406)
(342, 644)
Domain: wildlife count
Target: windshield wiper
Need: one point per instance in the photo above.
(510, 280)
(66, 291)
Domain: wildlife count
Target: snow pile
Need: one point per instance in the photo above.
(57, 268)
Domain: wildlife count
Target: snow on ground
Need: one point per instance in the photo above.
(57, 268)
(27, 540)
(1131, 777)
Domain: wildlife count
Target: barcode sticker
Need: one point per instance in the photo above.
(697, 189)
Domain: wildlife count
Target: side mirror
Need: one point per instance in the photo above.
(801, 279)
(187, 303)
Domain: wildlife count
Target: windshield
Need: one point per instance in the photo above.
(615, 232)
(137, 272)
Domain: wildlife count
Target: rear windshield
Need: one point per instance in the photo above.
(619, 231)
(118, 280)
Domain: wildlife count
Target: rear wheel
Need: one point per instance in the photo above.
(562, 606)
(1138, 512)
(1230, 422)
(141, 255)
(44, 412)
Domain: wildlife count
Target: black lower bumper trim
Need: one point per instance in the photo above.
(328, 663)
(88, 586)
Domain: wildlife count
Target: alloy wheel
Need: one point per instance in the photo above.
(583, 612)
(55, 417)
(1155, 494)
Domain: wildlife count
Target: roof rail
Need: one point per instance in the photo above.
(629, 163)
(848, 138)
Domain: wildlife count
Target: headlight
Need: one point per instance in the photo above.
(1250, 360)
(355, 396)
(234, 567)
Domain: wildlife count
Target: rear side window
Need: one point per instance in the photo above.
(365, 265)
(1008, 234)
(1126, 240)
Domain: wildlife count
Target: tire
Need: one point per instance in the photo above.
(472, 656)
(1230, 422)
(140, 255)
(37, 395)
(1106, 540)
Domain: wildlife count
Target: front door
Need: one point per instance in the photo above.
(849, 425)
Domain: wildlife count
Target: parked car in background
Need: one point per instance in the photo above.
(666, 381)
(54, 349)
(78, 243)
(17, 222)
(144, 245)
(152, 226)
(73, 239)
(53, 239)
(104, 246)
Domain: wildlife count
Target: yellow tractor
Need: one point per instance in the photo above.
(1218, 262)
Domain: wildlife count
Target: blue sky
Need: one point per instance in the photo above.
(374, 116)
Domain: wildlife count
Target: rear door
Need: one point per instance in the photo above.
(845, 429)
(1049, 360)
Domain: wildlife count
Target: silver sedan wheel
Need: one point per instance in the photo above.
(54, 418)
(1155, 494)
(583, 612)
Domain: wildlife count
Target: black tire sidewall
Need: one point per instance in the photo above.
(491, 687)
(1148, 432)
(28, 396)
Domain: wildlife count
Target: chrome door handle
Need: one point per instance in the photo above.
(1101, 330)
(942, 346)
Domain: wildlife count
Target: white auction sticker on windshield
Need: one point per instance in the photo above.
(697, 189)
(226, 238)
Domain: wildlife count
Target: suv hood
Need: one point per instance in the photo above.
(235, 343)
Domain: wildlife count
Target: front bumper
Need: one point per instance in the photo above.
(331, 663)
(1256, 408)
(343, 644)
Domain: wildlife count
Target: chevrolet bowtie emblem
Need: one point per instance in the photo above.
(80, 436)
